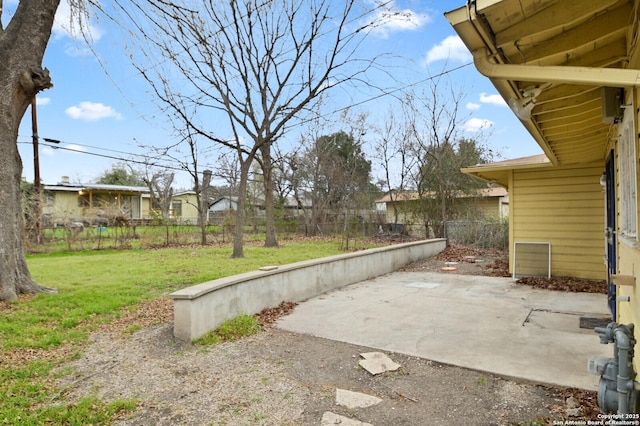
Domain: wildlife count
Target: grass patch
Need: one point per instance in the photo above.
(233, 329)
(83, 412)
(38, 333)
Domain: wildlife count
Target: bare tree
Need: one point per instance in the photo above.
(160, 187)
(259, 64)
(440, 149)
(22, 45)
(394, 153)
(189, 161)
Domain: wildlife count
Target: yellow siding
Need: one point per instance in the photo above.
(64, 207)
(563, 206)
(189, 207)
(146, 207)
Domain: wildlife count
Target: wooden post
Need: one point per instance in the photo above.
(37, 201)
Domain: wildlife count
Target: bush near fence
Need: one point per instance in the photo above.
(492, 234)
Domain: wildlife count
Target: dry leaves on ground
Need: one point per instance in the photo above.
(268, 317)
(568, 284)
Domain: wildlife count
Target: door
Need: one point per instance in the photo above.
(610, 231)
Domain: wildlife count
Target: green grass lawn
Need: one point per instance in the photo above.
(94, 287)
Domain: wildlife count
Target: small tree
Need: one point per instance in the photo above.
(120, 174)
(336, 172)
(395, 156)
(440, 151)
(160, 187)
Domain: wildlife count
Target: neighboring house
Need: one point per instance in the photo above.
(67, 202)
(184, 207)
(489, 203)
(224, 204)
(569, 71)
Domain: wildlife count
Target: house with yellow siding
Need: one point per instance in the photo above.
(559, 205)
(184, 207)
(487, 203)
(67, 202)
(93, 204)
(570, 71)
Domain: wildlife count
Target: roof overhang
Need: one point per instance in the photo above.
(561, 52)
(499, 172)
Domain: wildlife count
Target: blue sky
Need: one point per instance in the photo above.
(100, 107)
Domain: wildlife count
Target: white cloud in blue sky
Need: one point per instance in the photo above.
(473, 106)
(92, 111)
(42, 100)
(74, 147)
(492, 99)
(451, 49)
(68, 24)
(474, 125)
(50, 151)
(391, 19)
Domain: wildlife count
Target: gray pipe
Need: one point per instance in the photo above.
(625, 369)
(622, 338)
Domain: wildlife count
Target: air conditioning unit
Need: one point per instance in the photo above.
(612, 98)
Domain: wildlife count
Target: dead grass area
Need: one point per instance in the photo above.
(143, 315)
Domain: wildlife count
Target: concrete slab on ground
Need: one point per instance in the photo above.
(483, 323)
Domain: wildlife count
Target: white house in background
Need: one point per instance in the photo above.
(224, 204)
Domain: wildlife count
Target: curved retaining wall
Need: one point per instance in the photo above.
(201, 308)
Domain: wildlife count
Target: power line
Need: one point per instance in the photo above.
(122, 159)
(54, 143)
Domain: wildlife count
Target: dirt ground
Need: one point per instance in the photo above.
(281, 378)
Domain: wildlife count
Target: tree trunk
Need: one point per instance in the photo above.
(270, 237)
(203, 206)
(238, 228)
(22, 46)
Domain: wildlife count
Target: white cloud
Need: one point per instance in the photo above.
(77, 50)
(451, 48)
(390, 19)
(75, 25)
(74, 147)
(48, 151)
(473, 106)
(475, 125)
(92, 111)
(40, 101)
(492, 99)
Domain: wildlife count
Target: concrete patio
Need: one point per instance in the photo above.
(482, 323)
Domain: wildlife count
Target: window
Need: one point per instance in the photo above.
(627, 178)
(49, 198)
(176, 206)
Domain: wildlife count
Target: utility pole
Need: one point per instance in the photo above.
(37, 190)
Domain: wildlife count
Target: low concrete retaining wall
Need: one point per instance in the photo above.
(203, 307)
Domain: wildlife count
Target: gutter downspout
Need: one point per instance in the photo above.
(613, 77)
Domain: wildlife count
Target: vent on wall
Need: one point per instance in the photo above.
(531, 259)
